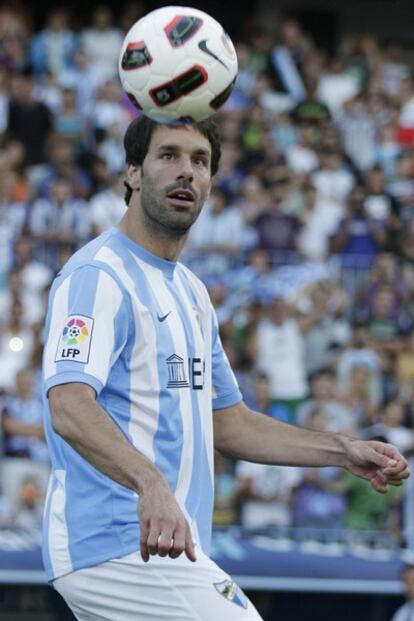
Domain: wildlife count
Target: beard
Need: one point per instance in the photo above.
(162, 217)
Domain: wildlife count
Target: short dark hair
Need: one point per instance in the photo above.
(138, 137)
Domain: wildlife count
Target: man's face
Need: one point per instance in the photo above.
(175, 179)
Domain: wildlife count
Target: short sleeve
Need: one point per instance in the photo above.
(225, 388)
(86, 329)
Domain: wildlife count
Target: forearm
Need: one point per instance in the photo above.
(259, 438)
(92, 433)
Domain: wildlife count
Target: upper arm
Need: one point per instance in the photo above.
(66, 400)
(87, 328)
(226, 421)
(225, 389)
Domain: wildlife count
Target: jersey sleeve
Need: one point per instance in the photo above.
(86, 329)
(225, 388)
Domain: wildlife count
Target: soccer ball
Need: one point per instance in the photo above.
(177, 65)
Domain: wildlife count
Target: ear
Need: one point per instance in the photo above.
(133, 176)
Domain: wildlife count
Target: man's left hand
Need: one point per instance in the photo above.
(380, 463)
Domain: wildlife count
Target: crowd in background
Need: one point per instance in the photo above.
(306, 245)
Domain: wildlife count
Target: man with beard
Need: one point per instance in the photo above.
(135, 376)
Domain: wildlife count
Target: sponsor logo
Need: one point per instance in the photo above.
(232, 592)
(75, 340)
(204, 48)
(163, 317)
(178, 376)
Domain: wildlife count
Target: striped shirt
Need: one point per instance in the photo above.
(142, 332)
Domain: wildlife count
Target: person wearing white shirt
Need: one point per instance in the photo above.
(102, 41)
(219, 234)
(108, 206)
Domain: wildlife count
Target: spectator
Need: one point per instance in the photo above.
(404, 370)
(210, 235)
(60, 219)
(279, 350)
(318, 500)
(380, 205)
(301, 157)
(387, 149)
(16, 346)
(68, 122)
(360, 396)
(394, 429)
(336, 86)
(264, 493)
(333, 183)
(359, 132)
(286, 62)
(26, 453)
(371, 512)
(52, 49)
(334, 415)
(225, 492)
(30, 122)
(406, 611)
(35, 276)
(107, 206)
(102, 41)
(13, 216)
(387, 324)
(385, 273)
(358, 353)
(261, 400)
(276, 230)
(406, 243)
(29, 511)
(359, 237)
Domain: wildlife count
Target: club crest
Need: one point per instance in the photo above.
(232, 592)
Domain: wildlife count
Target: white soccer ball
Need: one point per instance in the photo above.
(177, 65)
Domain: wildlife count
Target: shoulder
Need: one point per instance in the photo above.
(193, 281)
(99, 255)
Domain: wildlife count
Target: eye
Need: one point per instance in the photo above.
(201, 162)
(167, 156)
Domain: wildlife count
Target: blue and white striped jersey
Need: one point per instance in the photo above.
(142, 332)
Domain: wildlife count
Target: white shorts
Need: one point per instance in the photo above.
(127, 589)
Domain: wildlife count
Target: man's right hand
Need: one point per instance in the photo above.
(164, 529)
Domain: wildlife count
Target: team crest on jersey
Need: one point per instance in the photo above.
(232, 592)
(75, 339)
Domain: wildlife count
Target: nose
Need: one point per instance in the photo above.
(186, 169)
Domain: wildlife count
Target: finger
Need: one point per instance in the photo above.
(379, 484)
(400, 466)
(152, 540)
(143, 541)
(399, 476)
(178, 543)
(189, 545)
(165, 541)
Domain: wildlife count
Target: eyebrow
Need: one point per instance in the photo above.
(176, 147)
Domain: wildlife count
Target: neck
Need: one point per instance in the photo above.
(139, 229)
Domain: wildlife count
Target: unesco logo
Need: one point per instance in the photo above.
(181, 375)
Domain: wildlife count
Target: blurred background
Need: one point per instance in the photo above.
(306, 246)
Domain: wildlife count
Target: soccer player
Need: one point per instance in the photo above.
(139, 391)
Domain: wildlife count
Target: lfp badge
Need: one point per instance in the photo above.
(75, 340)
